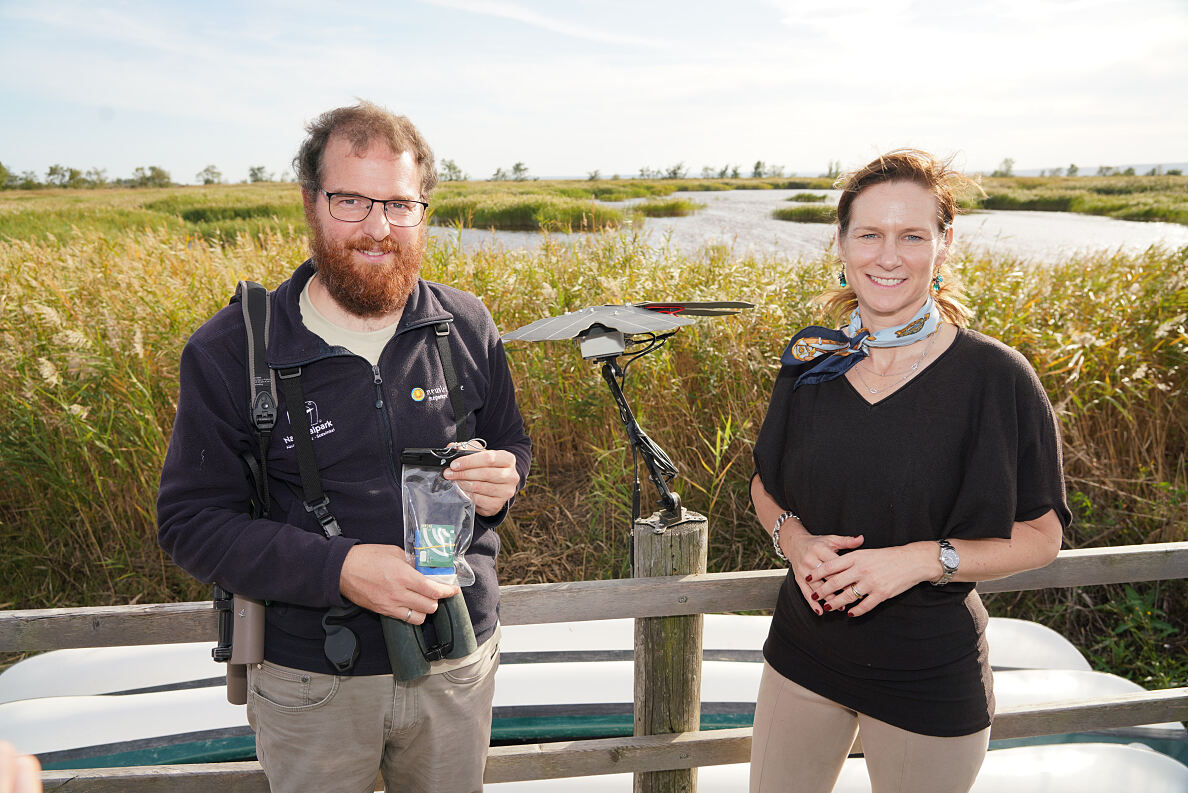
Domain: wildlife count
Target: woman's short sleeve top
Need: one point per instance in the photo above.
(963, 450)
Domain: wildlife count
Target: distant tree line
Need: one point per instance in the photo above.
(58, 175)
(1007, 168)
(450, 171)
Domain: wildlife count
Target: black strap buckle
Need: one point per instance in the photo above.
(321, 511)
(264, 412)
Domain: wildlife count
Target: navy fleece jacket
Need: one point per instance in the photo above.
(361, 417)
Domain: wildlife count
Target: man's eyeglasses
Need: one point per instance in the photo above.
(353, 208)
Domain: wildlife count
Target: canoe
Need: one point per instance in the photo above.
(159, 704)
(1014, 644)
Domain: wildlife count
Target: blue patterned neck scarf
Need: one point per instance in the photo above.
(845, 348)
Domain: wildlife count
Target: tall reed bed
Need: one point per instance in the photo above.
(667, 208)
(92, 332)
(1142, 198)
(525, 212)
(807, 213)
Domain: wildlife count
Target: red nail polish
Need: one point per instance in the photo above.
(808, 578)
(828, 607)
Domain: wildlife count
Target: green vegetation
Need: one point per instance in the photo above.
(208, 212)
(813, 213)
(667, 208)
(91, 331)
(1162, 198)
(524, 212)
(808, 198)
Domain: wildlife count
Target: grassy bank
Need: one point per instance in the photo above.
(91, 331)
(811, 213)
(1143, 198)
(667, 208)
(220, 213)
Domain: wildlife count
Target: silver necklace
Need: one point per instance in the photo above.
(910, 371)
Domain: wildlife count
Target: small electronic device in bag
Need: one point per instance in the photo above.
(438, 515)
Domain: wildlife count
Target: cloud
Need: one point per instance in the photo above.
(518, 13)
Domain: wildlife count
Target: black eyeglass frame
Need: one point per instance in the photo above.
(374, 201)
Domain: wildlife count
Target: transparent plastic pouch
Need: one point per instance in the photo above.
(438, 515)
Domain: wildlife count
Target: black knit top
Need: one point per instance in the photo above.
(963, 450)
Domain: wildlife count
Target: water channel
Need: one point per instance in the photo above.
(741, 220)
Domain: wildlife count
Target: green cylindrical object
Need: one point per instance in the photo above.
(406, 643)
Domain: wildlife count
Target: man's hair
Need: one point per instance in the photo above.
(361, 125)
(937, 177)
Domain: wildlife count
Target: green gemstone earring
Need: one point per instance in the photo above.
(841, 277)
(936, 282)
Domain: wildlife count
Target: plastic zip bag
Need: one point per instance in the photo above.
(438, 515)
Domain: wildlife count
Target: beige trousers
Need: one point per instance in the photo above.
(801, 740)
(317, 732)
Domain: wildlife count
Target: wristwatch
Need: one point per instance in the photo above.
(949, 560)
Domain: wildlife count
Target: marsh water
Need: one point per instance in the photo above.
(742, 221)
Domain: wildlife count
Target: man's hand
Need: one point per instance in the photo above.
(488, 477)
(379, 578)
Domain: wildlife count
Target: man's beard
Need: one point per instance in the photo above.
(365, 289)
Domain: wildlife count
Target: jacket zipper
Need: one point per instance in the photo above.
(379, 404)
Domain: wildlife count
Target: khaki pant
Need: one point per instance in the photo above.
(317, 732)
(801, 740)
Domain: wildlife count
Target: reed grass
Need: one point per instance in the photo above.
(667, 208)
(1142, 198)
(525, 212)
(91, 331)
(812, 213)
(808, 198)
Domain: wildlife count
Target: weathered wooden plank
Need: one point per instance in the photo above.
(504, 764)
(1089, 566)
(626, 755)
(1147, 707)
(618, 755)
(44, 629)
(667, 596)
(195, 778)
(106, 626)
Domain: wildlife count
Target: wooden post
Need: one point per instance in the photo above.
(668, 649)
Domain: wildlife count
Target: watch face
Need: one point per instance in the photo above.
(949, 558)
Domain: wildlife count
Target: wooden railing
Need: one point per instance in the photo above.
(47, 629)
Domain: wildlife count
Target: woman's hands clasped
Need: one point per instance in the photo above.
(858, 581)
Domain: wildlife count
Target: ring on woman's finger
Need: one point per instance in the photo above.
(408, 616)
(818, 565)
(857, 595)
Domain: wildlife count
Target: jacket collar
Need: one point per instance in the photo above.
(290, 343)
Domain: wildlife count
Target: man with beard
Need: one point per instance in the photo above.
(363, 329)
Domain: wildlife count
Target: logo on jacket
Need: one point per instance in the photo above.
(317, 427)
(419, 394)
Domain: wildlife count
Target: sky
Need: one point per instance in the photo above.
(568, 88)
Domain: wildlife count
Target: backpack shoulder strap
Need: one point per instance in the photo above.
(457, 403)
(256, 306)
(316, 500)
